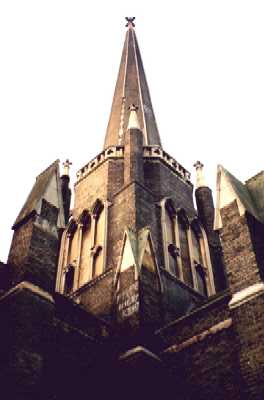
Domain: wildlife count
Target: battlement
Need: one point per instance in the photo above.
(149, 152)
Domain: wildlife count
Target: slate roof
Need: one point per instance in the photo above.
(237, 190)
(38, 190)
(131, 88)
(243, 193)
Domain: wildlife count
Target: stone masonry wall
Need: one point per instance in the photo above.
(239, 256)
(92, 187)
(164, 183)
(19, 248)
(97, 296)
(248, 321)
(204, 358)
(41, 263)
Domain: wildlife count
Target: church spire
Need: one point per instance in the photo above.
(131, 88)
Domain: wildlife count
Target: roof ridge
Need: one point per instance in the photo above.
(56, 162)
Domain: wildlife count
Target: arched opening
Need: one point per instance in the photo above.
(201, 279)
(69, 280)
(171, 247)
(184, 249)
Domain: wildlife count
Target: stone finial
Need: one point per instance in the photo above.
(130, 22)
(200, 180)
(133, 119)
(66, 167)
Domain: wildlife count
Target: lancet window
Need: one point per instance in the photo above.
(171, 248)
(82, 254)
(186, 251)
(183, 226)
(99, 234)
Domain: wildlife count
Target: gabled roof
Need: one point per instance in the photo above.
(135, 245)
(47, 186)
(131, 88)
(229, 188)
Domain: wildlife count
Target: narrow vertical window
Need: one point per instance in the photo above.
(199, 258)
(197, 255)
(69, 280)
(172, 249)
(185, 254)
(201, 279)
(99, 234)
(73, 244)
(85, 248)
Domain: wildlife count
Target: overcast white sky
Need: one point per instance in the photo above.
(204, 62)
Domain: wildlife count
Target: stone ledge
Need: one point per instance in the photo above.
(28, 286)
(246, 295)
(139, 354)
(200, 337)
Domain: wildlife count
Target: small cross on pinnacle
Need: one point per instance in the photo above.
(130, 22)
(66, 167)
(198, 165)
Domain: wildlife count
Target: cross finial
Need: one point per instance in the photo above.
(66, 167)
(200, 180)
(198, 165)
(130, 22)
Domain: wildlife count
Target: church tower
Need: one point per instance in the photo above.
(134, 250)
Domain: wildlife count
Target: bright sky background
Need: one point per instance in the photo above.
(59, 60)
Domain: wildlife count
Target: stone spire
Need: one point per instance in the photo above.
(131, 88)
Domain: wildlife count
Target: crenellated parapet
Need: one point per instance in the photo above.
(156, 152)
(149, 152)
(110, 152)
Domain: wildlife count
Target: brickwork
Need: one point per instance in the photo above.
(34, 250)
(207, 365)
(38, 342)
(91, 188)
(165, 183)
(248, 322)
(97, 296)
(40, 266)
(19, 248)
(115, 179)
(133, 157)
(150, 297)
(240, 259)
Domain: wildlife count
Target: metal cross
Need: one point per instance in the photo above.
(130, 21)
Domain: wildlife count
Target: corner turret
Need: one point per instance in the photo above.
(65, 190)
(206, 212)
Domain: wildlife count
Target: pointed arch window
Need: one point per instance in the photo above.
(171, 248)
(201, 279)
(202, 269)
(73, 243)
(83, 248)
(183, 227)
(98, 239)
(197, 253)
(69, 279)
